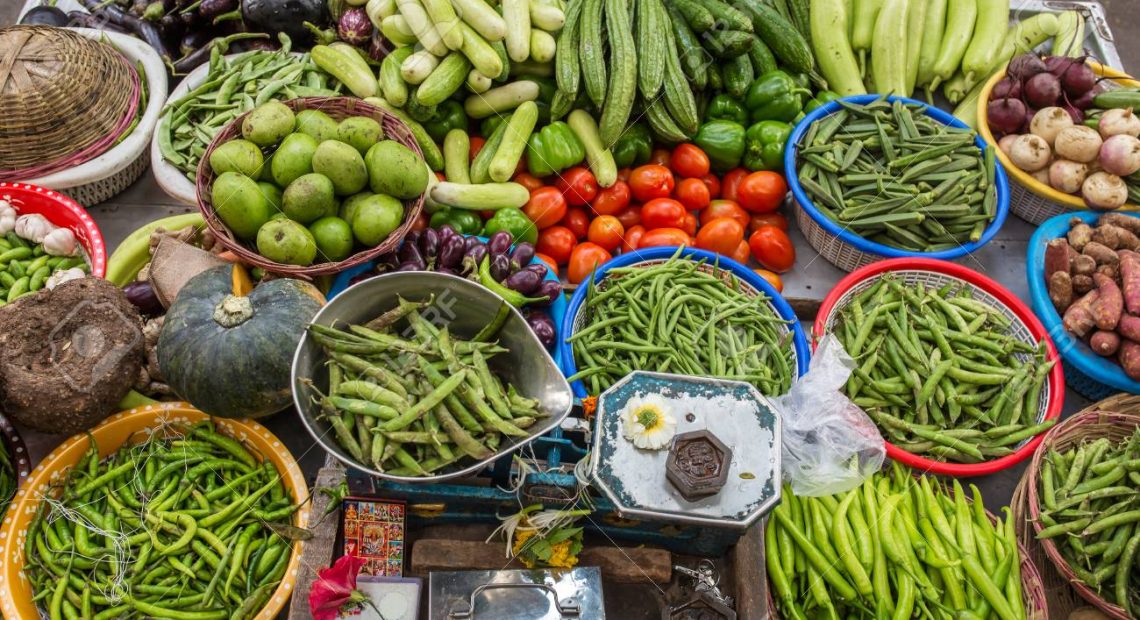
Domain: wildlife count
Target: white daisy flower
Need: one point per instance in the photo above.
(648, 423)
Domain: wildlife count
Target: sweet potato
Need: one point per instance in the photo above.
(1084, 265)
(1061, 290)
(1112, 271)
(1102, 254)
(1082, 284)
(1130, 359)
(1109, 304)
(1104, 343)
(1078, 319)
(1115, 237)
(1056, 257)
(1079, 234)
(1130, 280)
(1129, 327)
(1127, 222)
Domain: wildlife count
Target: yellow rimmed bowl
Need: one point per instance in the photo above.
(1030, 199)
(113, 433)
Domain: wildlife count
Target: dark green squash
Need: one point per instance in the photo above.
(230, 354)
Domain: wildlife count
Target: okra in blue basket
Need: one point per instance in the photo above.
(889, 173)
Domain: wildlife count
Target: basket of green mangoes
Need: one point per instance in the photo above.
(312, 186)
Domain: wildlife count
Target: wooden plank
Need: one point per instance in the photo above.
(749, 581)
(620, 564)
(317, 552)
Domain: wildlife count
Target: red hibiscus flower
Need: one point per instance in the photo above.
(335, 590)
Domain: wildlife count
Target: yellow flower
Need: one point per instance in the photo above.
(520, 543)
(561, 557)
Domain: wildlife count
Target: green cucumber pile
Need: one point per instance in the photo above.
(186, 524)
(939, 373)
(896, 547)
(1089, 497)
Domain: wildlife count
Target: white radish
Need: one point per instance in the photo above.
(1048, 122)
(1120, 155)
(1078, 143)
(1067, 176)
(1103, 191)
(1030, 152)
(1117, 121)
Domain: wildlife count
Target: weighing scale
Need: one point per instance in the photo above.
(554, 594)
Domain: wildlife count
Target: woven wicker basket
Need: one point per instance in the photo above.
(67, 99)
(338, 108)
(1092, 423)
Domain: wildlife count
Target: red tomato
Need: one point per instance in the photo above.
(629, 216)
(690, 223)
(772, 248)
(651, 181)
(662, 213)
(578, 185)
(585, 258)
(528, 180)
(631, 238)
(664, 236)
(742, 253)
(730, 182)
(660, 157)
(612, 199)
(623, 175)
(721, 235)
(774, 218)
(550, 262)
(724, 208)
(421, 221)
(577, 220)
(693, 193)
(545, 207)
(762, 192)
(440, 176)
(556, 242)
(606, 231)
(713, 184)
(477, 143)
(773, 278)
(688, 160)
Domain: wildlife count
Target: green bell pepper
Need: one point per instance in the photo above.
(546, 88)
(820, 99)
(513, 221)
(553, 148)
(463, 221)
(723, 142)
(449, 115)
(634, 147)
(774, 96)
(726, 107)
(764, 145)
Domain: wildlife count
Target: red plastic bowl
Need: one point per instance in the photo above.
(61, 211)
(1055, 394)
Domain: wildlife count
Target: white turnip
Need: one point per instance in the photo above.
(1048, 122)
(1030, 152)
(1119, 121)
(1042, 176)
(1006, 143)
(1120, 155)
(1103, 191)
(1067, 176)
(1078, 143)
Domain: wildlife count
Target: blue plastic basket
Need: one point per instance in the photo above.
(556, 310)
(571, 320)
(844, 248)
(1093, 376)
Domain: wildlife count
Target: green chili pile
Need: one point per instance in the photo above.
(939, 373)
(411, 406)
(185, 525)
(233, 87)
(9, 479)
(890, 173)
(678, 317)
(1090, 507)
(896, 547)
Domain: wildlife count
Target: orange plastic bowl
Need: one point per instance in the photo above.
(61, 211)
(15, 590)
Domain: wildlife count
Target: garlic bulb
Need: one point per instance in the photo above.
(60, 277)
(60, 242)
(7, 217)
(33, 227)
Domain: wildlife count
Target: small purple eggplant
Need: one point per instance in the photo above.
(500, 267)
(542, 326)
(445, 232)
(429, 244)
(470, 242)
(550, 289)
(451, 252)
(538, 268)
(410, 266)
(410, 252)
(525, 281)
(354, 27)
(522, 255)
(142, 296)
(500, 242)
(473, 257)
(448, 270)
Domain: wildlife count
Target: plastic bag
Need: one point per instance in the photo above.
(829, 444)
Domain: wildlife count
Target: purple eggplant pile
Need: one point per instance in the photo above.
(510, 269)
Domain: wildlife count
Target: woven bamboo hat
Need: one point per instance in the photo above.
(66, 98)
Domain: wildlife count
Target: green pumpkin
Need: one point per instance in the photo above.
(230, 354)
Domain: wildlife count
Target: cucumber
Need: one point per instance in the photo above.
(678, 95)
(623, 78)
(417, 67)
(780, 36)
(418, 20)
(698, 17)
(444, 81)
(456, 156)
(501, 99)
(481, 165)
(762, 59)
(542, 45)
(442, 14)
(339, 65)
(694, 58)
(418, 111)
(482, 54)
(566, 69)
(560, 105)
(727, 17)
(432, 155)
(481, 197)
(716, 82)
(504, 60)
(513, 145)
(663, 125)
(600, 158)
(592, 51)
(799, 13)
(392, 84)
(395, 29)
(651, 47)
(738, 76)
(517, 15)
(477, 82)
(484, 19)
(725, 44)
(546, 17)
